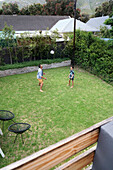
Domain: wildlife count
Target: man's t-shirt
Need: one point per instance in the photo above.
(39, 74)
(71, 74)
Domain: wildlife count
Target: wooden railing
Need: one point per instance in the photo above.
(55, 154)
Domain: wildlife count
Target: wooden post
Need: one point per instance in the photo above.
(73, 59)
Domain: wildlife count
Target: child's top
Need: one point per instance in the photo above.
(40, 73)
(71, 74)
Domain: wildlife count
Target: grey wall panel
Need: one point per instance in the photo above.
(103, 159)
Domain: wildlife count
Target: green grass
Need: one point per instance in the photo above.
(32, 63)
(56, 114)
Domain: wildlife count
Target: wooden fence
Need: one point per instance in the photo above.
(53, 155)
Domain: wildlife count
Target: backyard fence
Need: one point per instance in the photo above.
(21, 54)
(61, 151)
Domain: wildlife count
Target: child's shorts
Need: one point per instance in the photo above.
(71, 79)
(40, 80)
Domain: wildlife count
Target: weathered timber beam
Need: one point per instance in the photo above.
(80, 161)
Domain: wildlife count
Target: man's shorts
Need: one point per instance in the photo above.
(40, 80)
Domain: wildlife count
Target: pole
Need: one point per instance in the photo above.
(73, 58)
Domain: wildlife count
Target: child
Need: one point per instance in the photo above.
(40, 77)
(71, 77)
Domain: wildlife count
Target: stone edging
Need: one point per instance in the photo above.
(33, 68)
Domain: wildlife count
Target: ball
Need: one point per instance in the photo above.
(52, 52)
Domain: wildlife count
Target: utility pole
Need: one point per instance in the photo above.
(73, 58)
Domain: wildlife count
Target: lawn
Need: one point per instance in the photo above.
(55, 114)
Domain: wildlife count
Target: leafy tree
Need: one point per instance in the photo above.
(1, 58)
(98, 11)
(6, 9)
(104, 9)
(10, 8)
(35, 9)
(24, 41)
(84, 17)
(1, 11)
(52, 7)
(48, 8)
(25, 11)
(110, 22)
(110, 8)
(59, 7)
(8, 36)
(105, 32)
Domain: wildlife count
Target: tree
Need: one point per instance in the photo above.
(24, 41)
(52, 7)
(48, 8)
(105, 32)
(25, 11)
(1, 10)
(104, 9)
(10, 8)
(8, 35)
(98, 11)
(84, 17)
(59, 7)
(110, 22)
(35, 9)
(1, 58)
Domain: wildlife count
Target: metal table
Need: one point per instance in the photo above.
(5, 116)
(19, 128)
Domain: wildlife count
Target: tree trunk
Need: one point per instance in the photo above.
(10, 54)
(22, 54)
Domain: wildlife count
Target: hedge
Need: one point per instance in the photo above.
(92, 54)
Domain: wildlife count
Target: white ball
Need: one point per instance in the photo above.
(52, 52)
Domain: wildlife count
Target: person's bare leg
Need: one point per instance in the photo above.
(72, 84)
(41, 87)
(69, 83)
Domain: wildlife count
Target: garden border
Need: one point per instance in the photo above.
(33, 68)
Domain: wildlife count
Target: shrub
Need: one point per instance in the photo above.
(31, 63)
(93, 54)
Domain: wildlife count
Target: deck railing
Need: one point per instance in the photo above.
(59, 152)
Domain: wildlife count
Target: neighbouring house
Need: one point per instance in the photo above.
(67, 26)
(98, 22)
(29, 23)
(35, 24)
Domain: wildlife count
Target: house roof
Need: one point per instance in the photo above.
(98, 21)
(67, 25)
(29, 23)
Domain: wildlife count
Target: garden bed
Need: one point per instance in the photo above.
(33, 68)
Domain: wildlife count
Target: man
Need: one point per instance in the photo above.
(40, 77)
